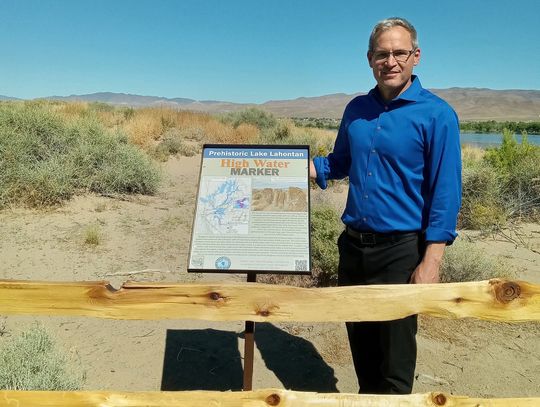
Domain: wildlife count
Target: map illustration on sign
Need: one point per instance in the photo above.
(224, 205)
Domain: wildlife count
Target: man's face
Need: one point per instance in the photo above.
(393, 75)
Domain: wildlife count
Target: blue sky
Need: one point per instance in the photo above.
(254, 51)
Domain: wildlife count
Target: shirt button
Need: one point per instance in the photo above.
(369, 174)
(386, 108)
(373, 151)
(378, 127)
(366, 196)
(364, 219)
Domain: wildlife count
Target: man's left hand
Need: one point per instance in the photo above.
(427, 272)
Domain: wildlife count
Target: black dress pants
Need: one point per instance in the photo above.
(384, 353)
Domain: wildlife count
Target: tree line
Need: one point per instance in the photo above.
(488, 126)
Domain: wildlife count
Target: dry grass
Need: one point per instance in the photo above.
(72, 110)
(147, 126)
(92, 235)
(144, 128)
(470, 153)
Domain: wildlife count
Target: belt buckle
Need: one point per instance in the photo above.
(367, 238)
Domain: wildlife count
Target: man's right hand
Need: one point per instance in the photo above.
(312, 170)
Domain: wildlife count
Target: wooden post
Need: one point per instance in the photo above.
(249, 345)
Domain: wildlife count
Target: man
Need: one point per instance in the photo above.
(399, 146)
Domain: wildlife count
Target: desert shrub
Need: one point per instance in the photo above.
(256, 117)
(518, 166)
(463, 261)
(45, 158)
(325, 230)
(124, 169)
(101, 107)
(482, 207)
(500, 185)
(31, 361)
(175, 141)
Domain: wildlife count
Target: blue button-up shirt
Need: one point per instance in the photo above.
(403, 161)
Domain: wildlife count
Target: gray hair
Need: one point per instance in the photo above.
(388, 23)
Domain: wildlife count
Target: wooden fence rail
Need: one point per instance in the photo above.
(257, 398)
(491, 300)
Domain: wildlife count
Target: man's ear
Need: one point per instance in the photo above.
(416, 56)
(369, 55)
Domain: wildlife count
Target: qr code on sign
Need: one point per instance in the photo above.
(300, 265)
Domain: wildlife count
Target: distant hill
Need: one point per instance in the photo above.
(469, 103)
(2, 97)
(124, 99)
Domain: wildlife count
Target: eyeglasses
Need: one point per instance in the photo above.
(400, 55)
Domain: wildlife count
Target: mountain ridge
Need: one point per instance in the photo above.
(470, 103)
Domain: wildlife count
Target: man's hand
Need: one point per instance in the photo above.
(312, 170)
(427, 271)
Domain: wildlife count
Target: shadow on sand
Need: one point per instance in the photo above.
(209, 359)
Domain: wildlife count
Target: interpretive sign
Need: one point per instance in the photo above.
(252, 210)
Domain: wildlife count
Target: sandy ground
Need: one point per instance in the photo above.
(147, 239)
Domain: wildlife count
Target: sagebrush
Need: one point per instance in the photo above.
(46, 158)
(32, 361)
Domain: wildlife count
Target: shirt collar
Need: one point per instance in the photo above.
(412, 93)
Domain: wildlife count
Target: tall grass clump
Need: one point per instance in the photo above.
(463, 261)
(46, 158)
(31, 361)
(92, 235)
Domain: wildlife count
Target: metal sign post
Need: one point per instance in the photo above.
(249, 345)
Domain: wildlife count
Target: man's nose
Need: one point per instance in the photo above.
(391, 61)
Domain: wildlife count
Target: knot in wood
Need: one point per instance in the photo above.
(263, 312)
(507, 291)
(215, 296)
(273, 399)
(439, 399)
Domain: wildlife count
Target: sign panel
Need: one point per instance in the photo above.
(252, 210)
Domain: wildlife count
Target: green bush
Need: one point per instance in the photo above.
(517, 165)
(31, 361)
(326, 227)
(185, 142)
(253, 116)
(501, 186)
(45, 159)
(463, 261)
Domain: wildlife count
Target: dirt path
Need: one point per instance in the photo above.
(147, 239)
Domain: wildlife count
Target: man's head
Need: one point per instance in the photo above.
(393, 52)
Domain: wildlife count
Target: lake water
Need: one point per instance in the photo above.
(485, 140)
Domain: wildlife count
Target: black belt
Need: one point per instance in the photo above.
(370, 238)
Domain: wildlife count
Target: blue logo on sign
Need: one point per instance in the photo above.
(223, 263)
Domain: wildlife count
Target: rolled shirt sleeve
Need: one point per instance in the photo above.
(443, 174)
